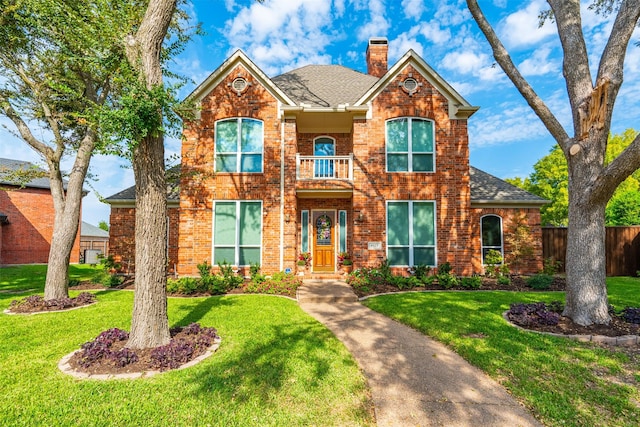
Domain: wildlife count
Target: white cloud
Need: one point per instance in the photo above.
(539, 64)
(520, 29)
(413, 9)
(434, 33)
(378, 24)
(465, 62)
(513, 122)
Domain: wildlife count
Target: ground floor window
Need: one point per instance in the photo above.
(411, 233)
(237, 232)
(491, 231)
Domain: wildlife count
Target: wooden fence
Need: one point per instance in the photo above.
(622, 248)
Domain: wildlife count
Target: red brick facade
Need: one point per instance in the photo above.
(26, 238)
(364, 197)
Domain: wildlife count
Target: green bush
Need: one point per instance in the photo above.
(550, 266)
(421, 272)
(447, 281)
(504, 280)
(473, 282)
(279, 284)
(540, 281)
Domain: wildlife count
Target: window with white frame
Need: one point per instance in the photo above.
(237, 232)
(410, 145)
(239, 145)
(411, 233)
(491, 232)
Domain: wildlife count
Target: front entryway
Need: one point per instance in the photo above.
(324, 255)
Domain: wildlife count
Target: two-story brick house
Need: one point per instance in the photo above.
(325, 159)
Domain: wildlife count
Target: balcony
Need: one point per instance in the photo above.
(324, 176)
(324, 167)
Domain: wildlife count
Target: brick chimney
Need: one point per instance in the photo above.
(377, 56)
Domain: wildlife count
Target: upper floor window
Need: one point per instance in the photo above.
(491, 230)
(239, 145)
(410, 145)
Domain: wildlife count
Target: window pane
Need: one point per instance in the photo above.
(398, 256)
(422, 162)
(425, 256)
(421, 136)
(227, 136)
(491, 233)
(398, 135)
(397, 162)
(324, 147)
(398, 223)
(343, 231)
(225, 224)
(251, 136)
(423, 223)
(226, 163)
(250, 213)
(249, 256)
(222, 255)
(305, 232)
(251, 163)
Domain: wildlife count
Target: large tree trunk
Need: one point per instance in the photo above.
(150, 324)
(67, 205)
(586, 297)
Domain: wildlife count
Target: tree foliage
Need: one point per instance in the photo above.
(550, 177)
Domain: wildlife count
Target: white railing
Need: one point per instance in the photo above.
(324, 167)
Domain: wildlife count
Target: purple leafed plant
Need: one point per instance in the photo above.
(532, 314)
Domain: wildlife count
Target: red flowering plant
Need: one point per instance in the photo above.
(304, 259)
(344, 259)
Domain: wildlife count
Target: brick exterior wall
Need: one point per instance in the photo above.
(122, 233)
(457, 223)
(26, 239)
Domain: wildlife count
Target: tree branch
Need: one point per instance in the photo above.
(617, 171)
(23, 128)
(504, 60)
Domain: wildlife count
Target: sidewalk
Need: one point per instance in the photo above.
(414, 380)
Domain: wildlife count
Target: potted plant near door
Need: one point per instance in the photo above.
(304, 261)
(345, 262)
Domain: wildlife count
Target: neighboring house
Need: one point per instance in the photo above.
(26, 217)
(325, 159)
(93, 238)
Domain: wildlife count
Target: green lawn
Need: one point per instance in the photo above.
(564, 382)
(276, 366)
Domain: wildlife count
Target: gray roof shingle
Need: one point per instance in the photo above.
(173, 189)
(490, 189)
(10, 165)
(324, 85)
(88, 230)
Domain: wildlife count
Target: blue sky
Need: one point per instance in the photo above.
(506, 138)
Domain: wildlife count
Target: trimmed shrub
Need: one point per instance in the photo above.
(540, 281)
(473, 282)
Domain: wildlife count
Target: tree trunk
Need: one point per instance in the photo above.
(586, 297)
(65, 230)
(150, 324)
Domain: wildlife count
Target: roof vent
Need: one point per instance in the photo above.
(239, 85)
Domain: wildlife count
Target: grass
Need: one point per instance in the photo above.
(276, 366)
(565, 383)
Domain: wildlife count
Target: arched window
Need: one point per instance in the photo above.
(239, 145)
(410, 145)
(491, 232)
(324, 147)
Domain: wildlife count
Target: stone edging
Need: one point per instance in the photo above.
(11, 313)
(623, 340)
(64, 366)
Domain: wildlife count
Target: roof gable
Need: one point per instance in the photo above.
(459, 108)
(324, 86)
(214, 79)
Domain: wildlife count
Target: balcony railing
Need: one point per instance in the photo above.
(324, 167)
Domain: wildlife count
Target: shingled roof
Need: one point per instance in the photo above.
(486, 188)
(324, 85)
(173, 189)
(9, 166)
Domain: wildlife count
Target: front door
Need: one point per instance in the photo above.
(324, 241)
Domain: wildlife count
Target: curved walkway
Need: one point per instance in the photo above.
(414, 380)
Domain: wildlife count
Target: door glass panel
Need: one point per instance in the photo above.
(304, 247)
(324, 167)
(323, 230)
(342, 218)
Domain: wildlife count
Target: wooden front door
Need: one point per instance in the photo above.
(324, 256)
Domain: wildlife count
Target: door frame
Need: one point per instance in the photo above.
(312, 219)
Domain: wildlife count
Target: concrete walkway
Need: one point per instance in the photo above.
(414, 380)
